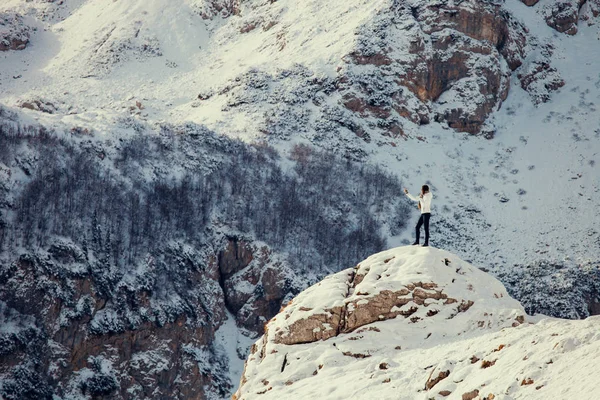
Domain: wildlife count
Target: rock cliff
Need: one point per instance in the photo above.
(81, 330)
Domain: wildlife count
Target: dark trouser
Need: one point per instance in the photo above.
(423, 220)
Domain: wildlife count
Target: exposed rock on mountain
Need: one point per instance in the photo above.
(14, 33)
(414, 61)
(413, 322)
(564, 15)
(99, 332)
(254, 284)
(436, 51)
(416, 56)
(590, 11)
(150, 334)
(388, 68)
(224, 8)
(540, 79)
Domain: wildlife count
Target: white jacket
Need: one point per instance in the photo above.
(425, 201)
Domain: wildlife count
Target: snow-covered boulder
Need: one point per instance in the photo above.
(412, 323)
(410, 282)
(564, 15)
(538, 77)
(14, 33)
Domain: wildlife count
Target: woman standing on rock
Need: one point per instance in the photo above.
(424, 200)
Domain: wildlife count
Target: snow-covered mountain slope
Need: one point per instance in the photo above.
(271, 67)
(419, 323)
(128, 109)
(126, 264)
(339, 76)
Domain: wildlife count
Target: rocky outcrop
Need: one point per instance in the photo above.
(365, 295)
(14, 34)
(479, 21)
(563, 15)
(254, 284)
(365, 309)
(355, 334)
(452, 64)
(540, 79)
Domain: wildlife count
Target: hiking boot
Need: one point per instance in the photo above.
(425, 244)
(416, 243)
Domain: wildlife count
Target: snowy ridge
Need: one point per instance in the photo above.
(488, 350)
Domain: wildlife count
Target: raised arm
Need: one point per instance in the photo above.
(410, 196)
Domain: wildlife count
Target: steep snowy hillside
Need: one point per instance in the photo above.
(140, 266)
(376, 81)
(418, 323)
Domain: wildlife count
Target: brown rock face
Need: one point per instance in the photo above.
(358, 311)
(14, 34)
(563, 15)
(460, 50)
(236, 256)
(244, 266)
(481, 22)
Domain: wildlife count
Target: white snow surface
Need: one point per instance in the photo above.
(228, 336)
(541, 358)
